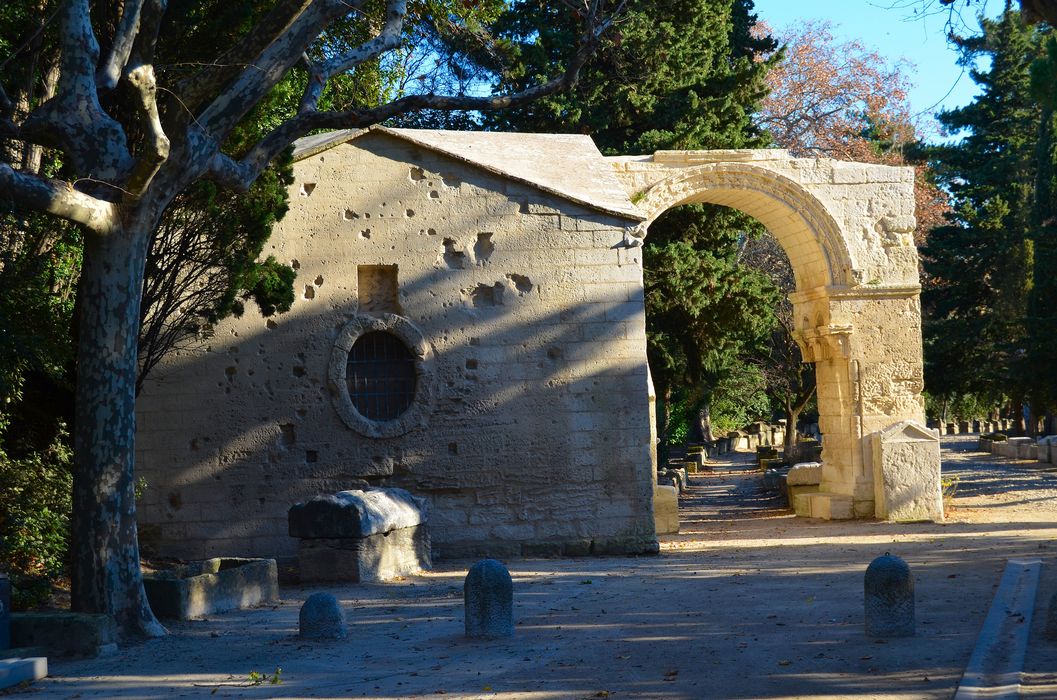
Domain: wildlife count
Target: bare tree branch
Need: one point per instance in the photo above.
(140, 76)
(128, 28)
(197, 90)
(73, 120)
(389, 38)
(56, 197)
(239, 175)
(267, 69)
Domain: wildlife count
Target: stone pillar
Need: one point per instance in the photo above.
(866, 346)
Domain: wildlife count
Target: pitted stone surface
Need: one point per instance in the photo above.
(488, 596)
(356, 514)
(889, 598)
(514, 257)
(804, 473)
(322, 618)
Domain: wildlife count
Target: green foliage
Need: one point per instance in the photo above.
(740, 398)
(255, 678)
(672, 74)
(980, 266)
(270, 284)
(35, 506)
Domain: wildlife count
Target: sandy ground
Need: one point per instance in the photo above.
(747, 602)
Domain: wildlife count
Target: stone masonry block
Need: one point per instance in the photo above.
(906, 473)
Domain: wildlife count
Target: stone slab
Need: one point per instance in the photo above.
(356, 513)
(805, 474)
(994, 668)
(15, 671)
(65, 633)
(214, 585)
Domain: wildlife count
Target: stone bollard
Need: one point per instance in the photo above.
(321, 618)
(488, 595)
(889, 598)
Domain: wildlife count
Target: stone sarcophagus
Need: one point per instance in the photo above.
(373, 535)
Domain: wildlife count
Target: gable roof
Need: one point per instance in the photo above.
(567, 165)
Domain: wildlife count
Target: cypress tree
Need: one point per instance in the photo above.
(980, 266)
(674, 74)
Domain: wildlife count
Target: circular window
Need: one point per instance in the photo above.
(380, 376)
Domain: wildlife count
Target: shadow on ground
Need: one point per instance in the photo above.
(746, 602)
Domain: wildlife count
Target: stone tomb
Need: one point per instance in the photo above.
(906, 483)
(373, 535)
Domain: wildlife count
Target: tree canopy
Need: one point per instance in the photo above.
(129, 132)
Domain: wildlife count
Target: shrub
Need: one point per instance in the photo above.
(35, 505)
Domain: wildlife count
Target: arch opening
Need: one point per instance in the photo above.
(802, 225)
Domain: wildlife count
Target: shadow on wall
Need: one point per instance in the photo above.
(537, 440)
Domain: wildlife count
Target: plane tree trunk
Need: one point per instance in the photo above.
(106, 565)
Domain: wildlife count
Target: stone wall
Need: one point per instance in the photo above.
(530, 432)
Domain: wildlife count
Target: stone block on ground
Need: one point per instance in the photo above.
(803, 478)
(488, 597)
(906, 471)
(64, 633)
(888, 591)
(376, 534)
(773, 480)
(322, 618)
(830, 506)
(666, 509)
(381, 557)
(201, 588)
(15, 671)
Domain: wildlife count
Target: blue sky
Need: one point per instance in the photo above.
(894, 32)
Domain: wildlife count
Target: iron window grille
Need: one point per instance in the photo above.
(381, 376)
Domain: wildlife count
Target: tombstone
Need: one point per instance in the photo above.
(321, 618)
(906, 460)
(977, 426)
(488, 598)
(964, 427)
(888, 596)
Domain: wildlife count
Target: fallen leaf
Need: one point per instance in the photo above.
(785, 662)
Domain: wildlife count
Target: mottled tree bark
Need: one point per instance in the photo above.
(106, 565)
(118, 187)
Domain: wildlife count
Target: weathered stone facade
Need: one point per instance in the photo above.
(524, 308)
(508, 267)
(848, 231)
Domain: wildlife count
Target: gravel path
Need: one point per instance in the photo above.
(747, 601)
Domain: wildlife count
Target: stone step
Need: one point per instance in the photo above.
(998, 657)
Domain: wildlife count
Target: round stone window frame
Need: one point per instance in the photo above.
(417, 414)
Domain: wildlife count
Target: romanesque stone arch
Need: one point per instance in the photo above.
(847, 229)
(800, 222)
